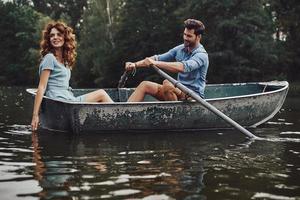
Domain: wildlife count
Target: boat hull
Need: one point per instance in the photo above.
(249, 109)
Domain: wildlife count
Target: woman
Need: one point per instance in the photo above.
(58, 56)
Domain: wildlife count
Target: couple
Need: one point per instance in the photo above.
(58, 44)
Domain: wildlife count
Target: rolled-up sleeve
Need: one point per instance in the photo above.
(195, 62)
(168, 56)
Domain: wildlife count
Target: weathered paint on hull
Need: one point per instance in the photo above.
(247, 110)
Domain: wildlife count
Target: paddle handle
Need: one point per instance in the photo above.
(205, 103)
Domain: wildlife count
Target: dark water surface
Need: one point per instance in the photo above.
(186, 165)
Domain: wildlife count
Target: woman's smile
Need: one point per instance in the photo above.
(56, 38)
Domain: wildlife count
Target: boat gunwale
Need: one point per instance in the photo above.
(285, 85)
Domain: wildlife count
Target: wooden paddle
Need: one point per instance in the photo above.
(204, 103)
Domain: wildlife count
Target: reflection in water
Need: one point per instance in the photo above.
(114, 165)
(169, 165)
(49, 175)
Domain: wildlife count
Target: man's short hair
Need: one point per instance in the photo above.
(197, 25)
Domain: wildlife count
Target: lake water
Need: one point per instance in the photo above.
(186, 165)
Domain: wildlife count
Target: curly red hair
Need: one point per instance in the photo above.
(69, 47)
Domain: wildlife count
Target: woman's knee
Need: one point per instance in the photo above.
(102, 96)
(101, 93)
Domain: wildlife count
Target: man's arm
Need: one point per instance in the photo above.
(129, 66)
(174, 67)
(167, 57)
(144, 63)
(193, 63)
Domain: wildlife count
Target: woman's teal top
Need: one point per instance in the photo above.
(58, 82)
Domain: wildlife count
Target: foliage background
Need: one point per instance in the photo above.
(247, 40)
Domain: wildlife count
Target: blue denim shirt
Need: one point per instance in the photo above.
(195, 66)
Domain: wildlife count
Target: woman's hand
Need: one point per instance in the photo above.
(45, 74)
(35, 122)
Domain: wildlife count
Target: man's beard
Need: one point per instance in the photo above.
(188, 44)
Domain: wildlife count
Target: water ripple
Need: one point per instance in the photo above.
(158, 197)
(262, 195)
(290, 133)
(124, 192)
(280, 123)
(136, 152)
(277, 139)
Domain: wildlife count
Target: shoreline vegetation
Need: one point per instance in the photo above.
(258, 41)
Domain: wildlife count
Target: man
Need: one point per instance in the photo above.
(189, 60)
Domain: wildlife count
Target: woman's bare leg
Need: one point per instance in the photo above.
(98, 96)
(145, 87)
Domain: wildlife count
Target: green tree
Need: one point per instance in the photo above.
(287, 16)
(21, 28)
(70, 11)
(147, 28)
(238, 39)
(136, 29)
(96, 44)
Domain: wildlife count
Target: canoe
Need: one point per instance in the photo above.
(249, 104)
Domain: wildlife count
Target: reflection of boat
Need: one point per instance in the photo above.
(249, 104)
(104, 165)
(97, 166)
